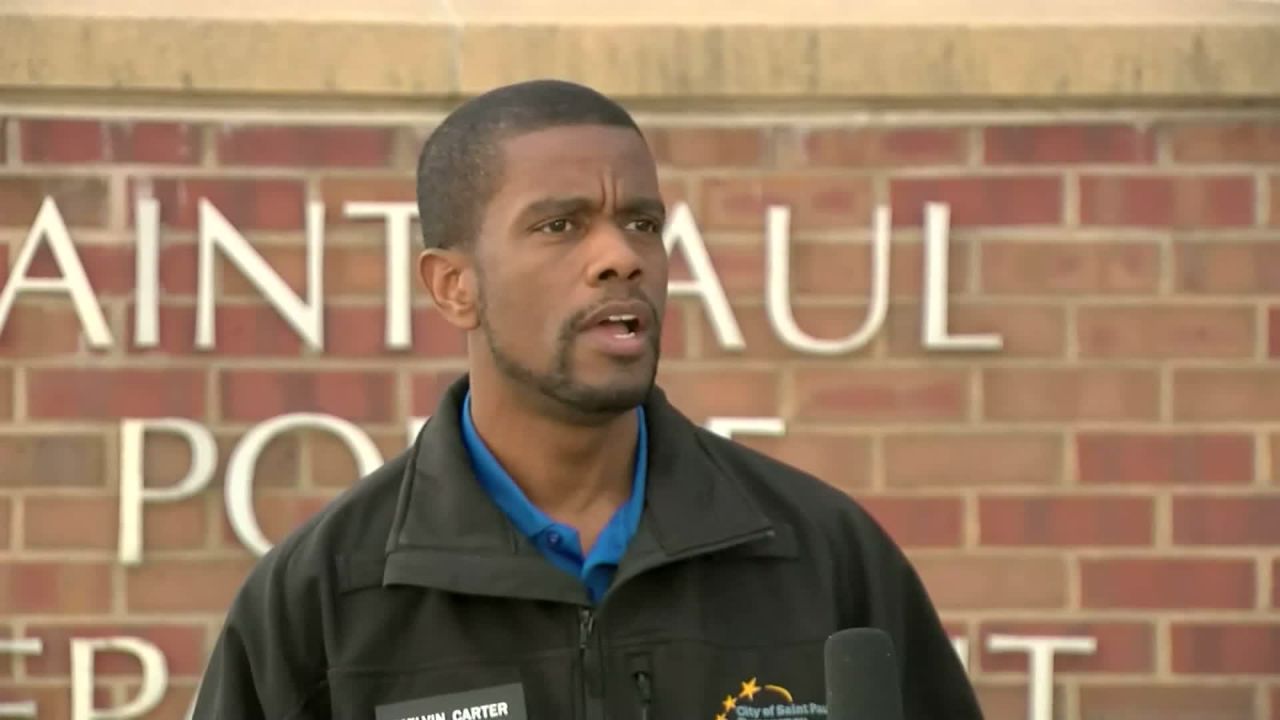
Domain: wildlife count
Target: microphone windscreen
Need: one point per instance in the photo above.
(862, 676)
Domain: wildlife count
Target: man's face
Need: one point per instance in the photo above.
(571, 269)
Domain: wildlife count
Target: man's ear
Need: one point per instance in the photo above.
(449, 278)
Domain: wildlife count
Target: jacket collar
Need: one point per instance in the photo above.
(447, 533)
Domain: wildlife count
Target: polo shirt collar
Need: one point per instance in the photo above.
(529, 519)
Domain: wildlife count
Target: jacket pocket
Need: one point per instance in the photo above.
(698, 680)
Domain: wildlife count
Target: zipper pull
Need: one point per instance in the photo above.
(586, 622)
(645, 690)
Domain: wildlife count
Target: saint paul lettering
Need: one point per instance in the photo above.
(304, 312)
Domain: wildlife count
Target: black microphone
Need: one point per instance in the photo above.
(862, 676)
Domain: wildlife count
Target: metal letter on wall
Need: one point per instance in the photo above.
(778, 284)
(133, 491)
(72, 279)
(306, 318)
(398, 218)
(682, 231)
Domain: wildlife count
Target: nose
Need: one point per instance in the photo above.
(613, 257)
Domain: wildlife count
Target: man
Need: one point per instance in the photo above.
(559, 541)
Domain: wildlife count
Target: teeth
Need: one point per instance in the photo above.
(629, 324)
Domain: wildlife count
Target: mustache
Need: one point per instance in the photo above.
(575, 322)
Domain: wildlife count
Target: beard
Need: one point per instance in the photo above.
(559, 383)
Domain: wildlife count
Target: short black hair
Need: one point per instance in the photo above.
(459, 166)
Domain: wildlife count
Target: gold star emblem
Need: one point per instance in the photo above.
(749, 689)
(722, 716)
(729, 703)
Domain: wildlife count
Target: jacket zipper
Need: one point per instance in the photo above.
(591, 689)
(589, 652)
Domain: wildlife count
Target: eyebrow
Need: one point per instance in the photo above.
(571, 205)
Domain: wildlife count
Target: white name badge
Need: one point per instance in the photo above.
(503, 702)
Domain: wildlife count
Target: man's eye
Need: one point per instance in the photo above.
(645, 226)
(558, 225)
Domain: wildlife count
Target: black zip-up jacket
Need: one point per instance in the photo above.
(413, 586)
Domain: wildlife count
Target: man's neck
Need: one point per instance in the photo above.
(576, 473)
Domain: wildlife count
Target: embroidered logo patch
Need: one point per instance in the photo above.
(504, 702)
(766, 701)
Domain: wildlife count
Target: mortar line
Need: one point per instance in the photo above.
(1165, 371)
(1075, 584)
(1071, 199)
(273, 109)
(1264, 458)
(1261, 199)
(12, 141)
(1163, 147)
(1164, 649)
(976, 388)
(1162, 539)
(19, 388)
(973, 519)
(879, 481)
(1265, 580)
(1070, 698)
(1262, 330)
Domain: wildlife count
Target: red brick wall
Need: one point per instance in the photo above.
(1112, 471)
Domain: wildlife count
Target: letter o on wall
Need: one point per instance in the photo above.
(239, 481)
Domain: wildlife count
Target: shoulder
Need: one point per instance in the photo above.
(772, 479)
(827, 529)
(797, 498)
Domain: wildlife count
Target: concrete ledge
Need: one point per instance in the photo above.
(414, 50)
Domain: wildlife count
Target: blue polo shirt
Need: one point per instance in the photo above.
(560, 543)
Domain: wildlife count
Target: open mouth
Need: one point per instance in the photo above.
(623, 326)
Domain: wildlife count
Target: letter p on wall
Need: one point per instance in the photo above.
(204, 455)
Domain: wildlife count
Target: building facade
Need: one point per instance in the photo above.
(1011, 279)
